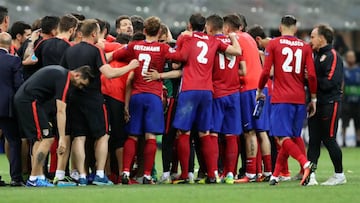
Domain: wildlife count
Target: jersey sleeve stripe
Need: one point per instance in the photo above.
(66, 88)
(36, 120)
(106, 119)
(101, 54)
(333, 65)
(38, 44)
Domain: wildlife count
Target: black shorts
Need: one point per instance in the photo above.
(88, 117)
(33, 120)
(350, 111)
(117, 123)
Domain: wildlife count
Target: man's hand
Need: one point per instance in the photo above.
(134, 64)
(126, 114)
(259, 95)
(152, 75)
(61, 147)
(312, 107)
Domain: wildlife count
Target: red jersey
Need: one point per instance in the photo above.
(225, 72)
(152, 55)
(199, 52)
(250, 54)
(114, 87)
(290, 57)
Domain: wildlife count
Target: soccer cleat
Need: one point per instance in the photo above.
(165, 179)
(181, 181)
(38, 183)
(335, 180)
(211, 180)
(273, 182)
(102, 181)
(297, 176)
(148, 181)
(245, 179)
(312, 180)
(308, 168)
(125, 179)
(66, 182)
(229, 179)
(286, 176)
(82, 182)
(263, 178)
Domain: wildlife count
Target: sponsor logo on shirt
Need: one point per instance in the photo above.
(322, 58)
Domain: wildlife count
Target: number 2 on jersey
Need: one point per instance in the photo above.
(204, 49)
(146, 58)
(289, 59)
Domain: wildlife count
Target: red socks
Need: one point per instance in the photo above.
(293, 150)
(281, 161)
(149, 155)
(251, 165)
(53, 156)
(130, 148)
(231, 154)
(267, 163)
(209, 150)
(300, 143)
(183, 152)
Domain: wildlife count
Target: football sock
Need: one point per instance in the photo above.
(231, 153)
(207, 152)
(259, 161)
(130, 147)
(149, 155)
(183, 153)
(251, 165)
(100, 173)
(60, 174)
(293, 150)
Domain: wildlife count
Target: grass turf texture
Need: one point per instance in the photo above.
(290, 192)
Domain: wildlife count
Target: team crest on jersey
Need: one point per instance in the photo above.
(322, 58)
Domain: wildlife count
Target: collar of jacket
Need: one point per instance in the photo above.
(325, 49)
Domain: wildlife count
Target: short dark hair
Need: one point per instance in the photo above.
(49, 23)
(233, 21)
(19, 27)
(152, 25)
(326, 31)
(257, 31)
(215, 21)
(163, 30)
(243, 22)
(67, 22)
(103, 25)
(137, 23)
(85, 72)
(3, 13)
(79, 16)
(197, 22)
(119, 19)
(288, 20)
(88, 26)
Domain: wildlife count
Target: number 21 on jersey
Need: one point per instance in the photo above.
(287, 65)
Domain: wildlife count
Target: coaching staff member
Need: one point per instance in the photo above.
(50, 82)
(323, 125)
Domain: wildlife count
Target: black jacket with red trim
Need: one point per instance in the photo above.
(330, 75)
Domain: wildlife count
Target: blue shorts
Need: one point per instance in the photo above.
(227, 115)
(146, 114)
(194, 107)
(287, 120)
(248, 104)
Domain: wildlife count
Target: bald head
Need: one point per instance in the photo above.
(5, 40)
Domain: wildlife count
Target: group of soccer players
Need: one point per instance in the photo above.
(113, 120)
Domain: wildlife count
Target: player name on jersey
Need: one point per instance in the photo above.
(147, 48)
(291, 43)
(201, 37)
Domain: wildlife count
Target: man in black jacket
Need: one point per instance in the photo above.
(323, 126)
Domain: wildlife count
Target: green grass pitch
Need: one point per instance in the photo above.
(285, 192)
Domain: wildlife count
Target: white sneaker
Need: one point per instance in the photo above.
(312, 180)
(335, 180)
(165, 179)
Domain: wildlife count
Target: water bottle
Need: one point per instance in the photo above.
(258, 108)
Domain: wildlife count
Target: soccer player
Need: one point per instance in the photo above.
(251, 126)
(87, 106)
(226, 104)
(323, 125)
(144, 106)
(49, 83)
(195, 98)
(292, 59)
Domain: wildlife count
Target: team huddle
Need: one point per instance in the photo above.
(98, 102)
